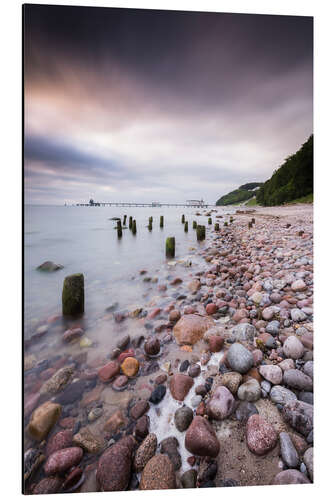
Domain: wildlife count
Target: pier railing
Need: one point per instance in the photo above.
(151, 205)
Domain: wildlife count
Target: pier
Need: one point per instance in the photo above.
(190, 203)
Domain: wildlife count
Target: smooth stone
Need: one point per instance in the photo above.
(114, 466)
(281, 395)
(249, 391)
(272, 373)
(293, 348)
(261, 436)
(158, 394)
(123, 342)
(180, 384)
(189, 478)
(49, 266)
(290, 476)
(62, 460)
(191, 328)
(287, 364)
(298, 380)
(139, 409)
(244, 411)
(266, 386)
(200, 438)
(299, 415)
(297, 314)
(308, 369)
(215, 343)
(288, 451)
(120, 382)
(152, 346)
(308, 460)
(43, 419)
(183, 418)
(298, 286)
(169, 447)
(130, 367)
(239, 358)
(107, 372)
(273, 327)
(231, 380)
(58, 381)
(62, 439)
(243, 331)
(145, 452)
(305, 396)
(194, 370)
(158, 474)
(221, 404)
(86, 440)
(141, 429)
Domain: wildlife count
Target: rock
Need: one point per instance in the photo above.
(174, 316)
(305, 396)
(308, 369)
(194, 370)
(62, 460)
(152, 346)
(231, 380)
(257, 356)
(249, 391)
(194, 286)
(215, 343)
(94, 414)
(86, 440)
(123, 342)
(30, 403)
(290, 476)
(298, 380)
(48, 485)
(139, 409)
(73, 480)
(49, 266)
(189, 479)
(298, 286)
(308, 460)
(297, 315)
(280, 395)
(184, 365)
(169, 447)
(268, 313)
(32, 459)
(272, 373)
(191, 328)
(120, 383)
(114, 466)
(72, 335)
(107, 372)
(244, 411)
(62, 439)
(141, 428)
(158, 474)
(288, 452)
(200, 438)
(43, 419)
(158, 394)
(145, 452)
(273, 327)
(211, 308)
(115, 422)
(243, 331)
(73, 295)
(183, 417)
(293, 348)
(239, 358)
(299, 415)
(260, 435)
(287, 364)
(221, 404)
(180, 385)
(72, 393)
(130, 367)
(58, 381)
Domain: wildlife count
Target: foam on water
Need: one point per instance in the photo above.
(162, 415)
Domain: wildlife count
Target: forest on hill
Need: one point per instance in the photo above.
(243, 193)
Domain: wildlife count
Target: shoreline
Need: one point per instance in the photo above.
(237, 264)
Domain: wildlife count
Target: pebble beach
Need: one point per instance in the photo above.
(206, 382)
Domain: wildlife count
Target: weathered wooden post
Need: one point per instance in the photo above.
(119, 231)
(231, 220)
(210, 220)
(186, 227)
(130, 221)
(250, 225)
(134, 226)
(150, 224)
(217, 226)
(194, 225)
(118, 224)
(253, 220)
(201, 233)
(225, 223)
(73, 295)
(170, 244)
(161, 221)
(124, 221)
(183, 219)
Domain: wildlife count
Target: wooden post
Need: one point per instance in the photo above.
(186, 227)
(253, 220)
(183, 219)
(210, 220)
(124, 221)
(150, 224)
(194, 224)
(130, 222)
(225, 223)
(250, 225)
(201, 233)
(217, 226)
(134, 226)
(73, 295)
(170, 244)
(119, 231)
(161, 221)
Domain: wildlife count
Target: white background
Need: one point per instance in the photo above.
(10, 231)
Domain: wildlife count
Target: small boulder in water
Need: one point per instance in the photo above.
(49, 266)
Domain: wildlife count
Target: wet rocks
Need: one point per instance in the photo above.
(48, 485)
(260, 435)
(221, 404)
(215, 343)
(120, 383)
(272, 373)
(72, 392)
(152, 346)
(231, 380)
(194, 370)
(189, 479)
(62, 439)
(158, 394)
(62, 460)
(191, 328)
(72, 335)
(86, 440)
(130, 366)
(281, 395)
(158, 474)
(244, 411)
(288, 451)
(108, 371)
(139, 409)
(308, 460)
(299, 415)
(43, 419)
(57, 381)
(249, 391)
(180, 385)
(116, 421)
(183, 418)
(33, 457)
(243, 331)
(298, 380)
(239, 358)
(211, 308)
(293, 348)
(194, 286)
(114, 466)
(290, 476)
(49, 266)
(297, 315)
(145, 452)
(169, 447)
(141, 428)
(200, 438)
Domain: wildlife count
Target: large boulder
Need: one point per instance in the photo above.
(239, 358)
(180, 384)
(191, 328)
(158, 474)
(114, 466)
(221, 404)
(43, 419)
(73, 295)
(260, 435)
(200, 438)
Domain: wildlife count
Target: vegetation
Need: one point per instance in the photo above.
(243, 193)
(252, 202)
(292, 181)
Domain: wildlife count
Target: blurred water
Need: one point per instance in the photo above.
(83, 239)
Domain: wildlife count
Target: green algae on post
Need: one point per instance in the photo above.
(225, 223)
(170, 244)
(73, 295)
(194, 225)
(210, 220)
(201, 233)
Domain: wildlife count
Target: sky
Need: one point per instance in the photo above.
(148, 105)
